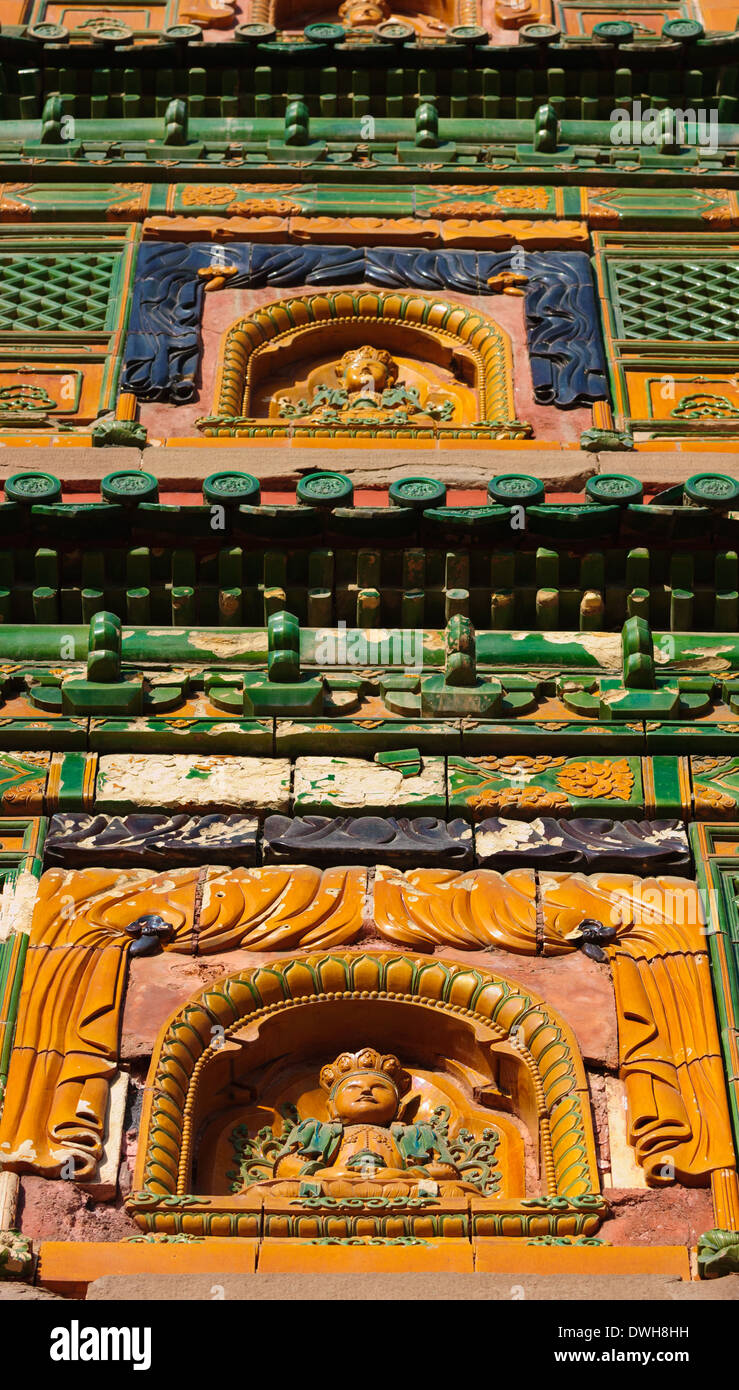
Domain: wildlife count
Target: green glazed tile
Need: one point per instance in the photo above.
(545, 785)
(666, 787)
(43, 733)
(71, 782)
(95, 697)
(639, 704)
(355, 648)
(715, 783)
(364, 737)
(23, 781)
(484, 697)
(253, 736)
(558, 650)
(555, 736)
(457, 525)
(229, 646)
(696, 738)
(406, 761)
(576, 522)
(721, 842)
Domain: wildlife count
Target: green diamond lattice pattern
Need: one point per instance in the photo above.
(677, 300)
(58, 294)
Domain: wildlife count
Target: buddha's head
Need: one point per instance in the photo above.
(364, 1087)
(367, 368)
(358, 14)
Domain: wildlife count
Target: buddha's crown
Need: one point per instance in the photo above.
(366, 1060)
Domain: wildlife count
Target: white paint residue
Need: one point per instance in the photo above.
(225, 645)
(197, 782)
(24, 1151)
(354, 783)
(512, 834)
(16, 906)
(549, 885)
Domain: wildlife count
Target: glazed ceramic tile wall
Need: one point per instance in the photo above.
(369, 639)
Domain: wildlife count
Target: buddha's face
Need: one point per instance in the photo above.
(368, 373)
(357, 13)
(365, 1098)
(367, 369)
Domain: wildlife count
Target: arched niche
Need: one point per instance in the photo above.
(273, 1065)
(476, 1034)
(430, 17)
(283, 340)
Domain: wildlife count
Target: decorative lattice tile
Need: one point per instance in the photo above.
(676, 300)
(55, 293)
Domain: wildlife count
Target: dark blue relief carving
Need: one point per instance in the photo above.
(285, 266)
(163, 345)
(562, 328)
(424, 270)
(562, 325)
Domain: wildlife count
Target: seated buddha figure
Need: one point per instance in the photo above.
(359, 15)
(366, 389)
(360, 1151)
(363, 14)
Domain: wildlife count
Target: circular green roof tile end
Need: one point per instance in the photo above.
(471, 34)
(231, 489)
(614, 488)
(393, 32)
(520, 489)
(129, 487)
(31, 488)
(683, 30)
(540, 33)
(255, 33)
(48, 33)
(182, 33)
(324, 33)
(325, 490)
(712, 490)
(613, 31)
(418, 493)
